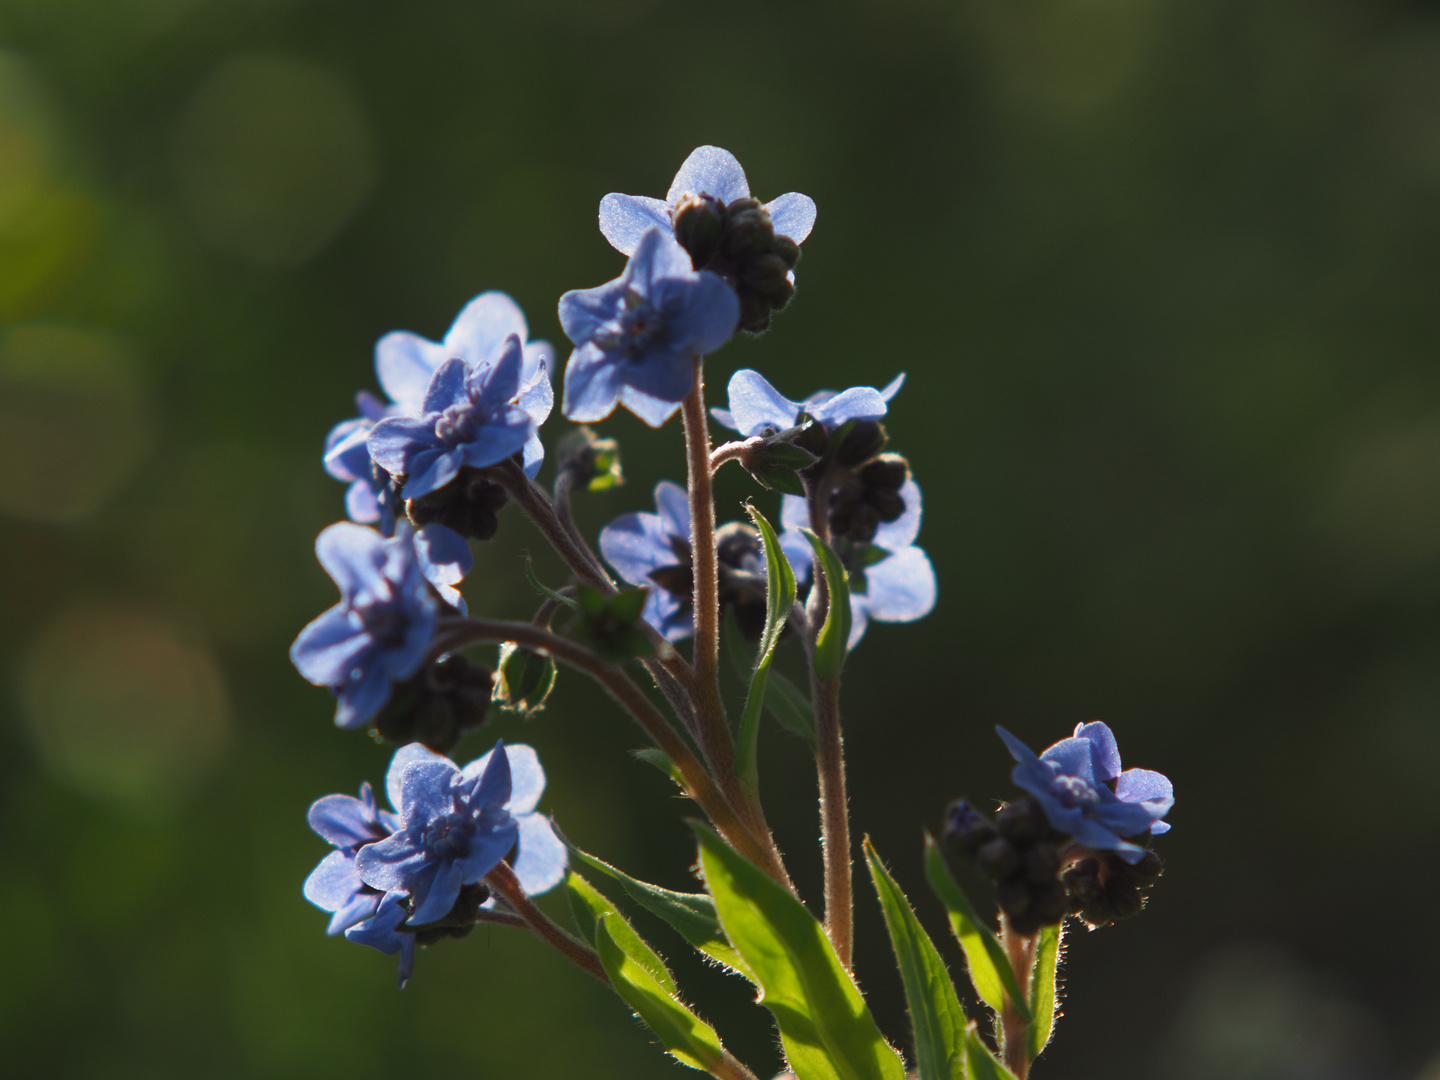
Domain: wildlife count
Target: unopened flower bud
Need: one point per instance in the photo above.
(469, 504)
(1023, 821)
(700, 228)
(966, 827)
(997, 859)
(523, 680)
(608, 625)
(863, 441)
(1042, 862)
(593, 462)
(437, 704)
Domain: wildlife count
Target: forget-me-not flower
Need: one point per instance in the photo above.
(637, 337)
(639, 545)
(457, 824)
(891, 580)
(373, 497)
(348, 824)
(757, 408)
(709, 172)
(1071, 781)
(380, 630)
(468, 417)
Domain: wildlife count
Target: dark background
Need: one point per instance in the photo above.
(1162, 274)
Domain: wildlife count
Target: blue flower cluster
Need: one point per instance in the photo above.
(395, 874)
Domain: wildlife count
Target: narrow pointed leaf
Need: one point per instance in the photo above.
(692, 915)
(661, 760)
(790, 707)
(692, 1041)
(779, 599)
(1044, 989)
(586, 900)
(980, 1062)
(825, 1028)
(834, 636)
(936, 1017)
(990, 969)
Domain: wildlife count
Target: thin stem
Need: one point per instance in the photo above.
(1014, 1032)
(834, 818)
(564, 482)
(760, 849)
(714, 731)
(504, 882)
(504, 918)
(729, 451)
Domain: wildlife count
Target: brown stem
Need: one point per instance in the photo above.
(715, 737)
(507, 886)
(729, 451)
(456, 633)
(1014, 1032)
(834, 818)
(561, 504)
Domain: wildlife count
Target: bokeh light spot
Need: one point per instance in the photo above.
(124, 705)
(273, 156)
(75, 421)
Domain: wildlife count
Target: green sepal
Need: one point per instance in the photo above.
(980, 1062)
(1044, 989)
(523, 680)
(825, 1028)
(688, 1038)
(774, 462)
(545, 590)
(609, 625)
(780, 592)
(936, 1017)
(691, 915)
(834, 637)
(990, 969)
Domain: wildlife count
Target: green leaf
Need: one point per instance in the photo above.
(692, 915)
(790, 707)
(935, 1013)
(545, 590)
(825, 1028)
(834, 636)
(980, 1062)
(990, 969)
(692, 1041)
(661, 760)
(591, 908)
(779, 599)
(1044, 990)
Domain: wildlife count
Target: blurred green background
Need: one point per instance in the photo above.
(1163, 275)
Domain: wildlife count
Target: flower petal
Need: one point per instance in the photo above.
(1106, 752)
(499, 439)
(636, 544)
(657, 258)
(712, 313)
(893, 387)
(343, 820)
(857, 403)
(793, 215)
(352, 555)
(901, 588)
(537, 396)
(755, 404)
(674, 505)
(394, 442)
(711, 171)
(527, 779)
(624, 219)
(329, 646)
(436, 894)
(592, 386)
(541, 860)
(1073, 757)
(482, 326)
(447, 386)
(401, 760)
(404, 364)
(652, 410)
(1150, 789)
(502, 384)
(901, 533)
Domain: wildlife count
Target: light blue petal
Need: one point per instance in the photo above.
(539, 356)
(793, 215)
(447, 386)
(674, 505)
(1105, 751)
(391, 863)
(755, 404)
(893, 387)
(635, 544)
(592, 386)
(725, 418)
(859, 619)
(404, 363)
(502, 383)
(527, 779)
(1072, 757)
(494, 786)
(498, 439)
(1150, 789)
(333, 882)
(652, 410)
(658, 258)
(541, 860)
(624, 219)
(395, 441)
(857, 403)
(491, 843)
(340, 444)
(360, 698)
(713, 313)
(329, 646)
(426, 791)
(352, 555)
(537, 396)
(361, 505)
(436, 894)
(532, 456)
(711, 171)
(343, 820)
(794, 512)
(401, 760)
(901, 588)
(668, 614)
(482, 326)
(583, 312)
(433, 469)
(901, 533)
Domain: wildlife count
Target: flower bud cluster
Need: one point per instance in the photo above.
(1103, 888)
(438, 704)
(470, 505)
(738, 241)
(1019, 853)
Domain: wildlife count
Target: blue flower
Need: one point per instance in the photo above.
(638, 545)
(891, 580)
(373, 497)
(638, 336)
(1071, 782)
(457, 824)
(709, 172)
(379, 632)
(382, 931)
(757, 408)
(467, 418)
(348, 824)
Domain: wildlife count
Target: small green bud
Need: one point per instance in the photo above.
(593, 461)
(523, 680)
(608, 625)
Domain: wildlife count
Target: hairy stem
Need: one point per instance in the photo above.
(1014, 1032)
(456, 633)
(714, 732)
(834, 818)
(564, 482)
(729, 451)
(506, 885)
